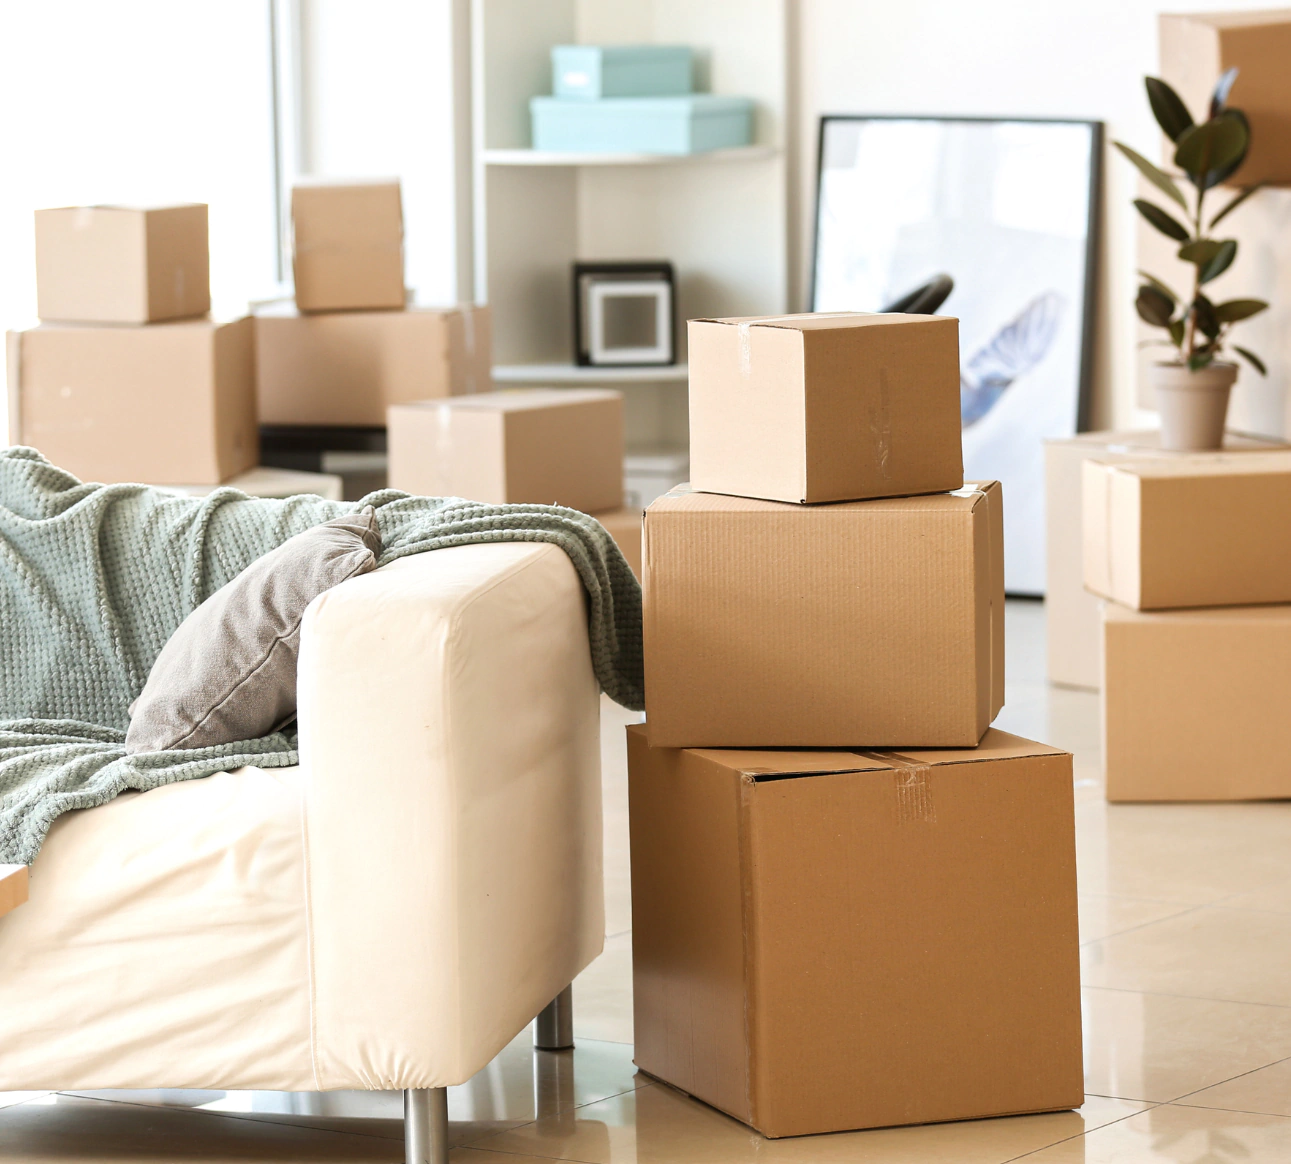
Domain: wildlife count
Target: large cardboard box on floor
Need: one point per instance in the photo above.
(1203, 530)
(810, 408)
(122, 264)
(347, 245)
(349, 367)
(546, 446)
(1072, 612)
(169, 403)
(824, 941)
(1199, 46)
(865, 623)
(1195, 703)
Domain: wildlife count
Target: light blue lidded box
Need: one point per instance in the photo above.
(645, 125)
(592, 71)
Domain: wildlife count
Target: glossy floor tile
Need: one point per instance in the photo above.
(1185, 918)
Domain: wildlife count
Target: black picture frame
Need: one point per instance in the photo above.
(659, 268)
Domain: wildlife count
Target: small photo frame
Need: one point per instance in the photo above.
(624, 314)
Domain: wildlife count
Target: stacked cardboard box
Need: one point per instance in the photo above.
(127, 378)
(1193, 557)
(853, 901)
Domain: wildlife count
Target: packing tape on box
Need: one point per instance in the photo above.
(468, 342)
(746, 344)
(912, 783)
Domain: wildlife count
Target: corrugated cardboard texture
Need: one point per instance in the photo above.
(347, 245)
(548, 446)
(13, 887)
(875, 623)
(624, 526)
(1198, 47)
(825, 941)
(170, 403)
(1207, 529)
(347, 368)
(122, 264)
(1195, 704)
(812, 408)
(1072, 613)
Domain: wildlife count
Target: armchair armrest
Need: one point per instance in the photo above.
(449, 735)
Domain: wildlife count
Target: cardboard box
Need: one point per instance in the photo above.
(624, 526)
(166, 403)
(347, 245)
(872, 623)
(824, 941)
(688, 124)
(546, 446)
(13, 887)
(348, 368)
(647, 476)
(122, 264)
(1072, 613)
(837, 407)
(1207, 529)
(267, 481)
(1195, 703)
(1197, 47)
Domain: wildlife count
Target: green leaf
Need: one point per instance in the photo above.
(1153, 307)
(1155, 282)
(1158, 177)
(1176, 332)
(1252, 359)
(1223, 87)
(1221, 262)
(1233, 205)
(1170, 227)
(1210, 147)
(1199, 251)
(1222, 174)
(1236, 309)
(1201, 359)
(1168, 108)
(1203, 313)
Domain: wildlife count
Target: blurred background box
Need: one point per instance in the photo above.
(648, 125)
(122, 264)
(347, 367)
(347, 244)
(590, 72)
(169, 402)
(544, 446)
(1073, 619)
(648, 475)
(266, 481)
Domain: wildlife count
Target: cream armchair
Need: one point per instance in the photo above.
(389, 914)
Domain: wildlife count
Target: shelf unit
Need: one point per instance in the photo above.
(719, 217)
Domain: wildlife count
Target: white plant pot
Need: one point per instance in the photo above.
(1193, 405)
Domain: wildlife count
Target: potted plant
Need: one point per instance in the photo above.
(1192, 389)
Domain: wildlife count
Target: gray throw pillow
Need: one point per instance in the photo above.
(229, 672)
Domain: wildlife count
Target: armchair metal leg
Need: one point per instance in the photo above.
(554, 1029)
(425, 1125)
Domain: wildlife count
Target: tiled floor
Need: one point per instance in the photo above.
(1186, 932)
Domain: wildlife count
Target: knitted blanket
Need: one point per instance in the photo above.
(95, 578)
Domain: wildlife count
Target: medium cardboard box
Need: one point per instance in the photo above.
(347, 245)
(870, 623)
(810, 408)
(824, 941)
(1208, 529)
(545, 446)
(1072, 613)
(348, 368)
(1197, 47)
(122, 264)
(162, 404)
(1195, 703)
(624, 526)
(13, 887)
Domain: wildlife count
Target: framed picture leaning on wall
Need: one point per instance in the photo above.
(1008, 208)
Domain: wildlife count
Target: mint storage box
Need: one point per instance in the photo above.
(645, 70)
(646, 125)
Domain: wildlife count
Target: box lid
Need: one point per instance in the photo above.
(622, 52)
(520, 399)
(1217, 464)
(823, 321)
(684, 499)
(1149, 440)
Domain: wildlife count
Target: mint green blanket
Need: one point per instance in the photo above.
(95, 578)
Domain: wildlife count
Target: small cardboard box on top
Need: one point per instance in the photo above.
(1208, 529)
(812, 408)
(825, 941)
(349, 367)
(347, 244)
(1072, 612)
(864, 623)
(122, 264)
(167, 404)
(1195, 703)
(545, 446)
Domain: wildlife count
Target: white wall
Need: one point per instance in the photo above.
(1039, 58)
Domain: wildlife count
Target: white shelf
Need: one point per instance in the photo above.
(578, 374)
(531, 157)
